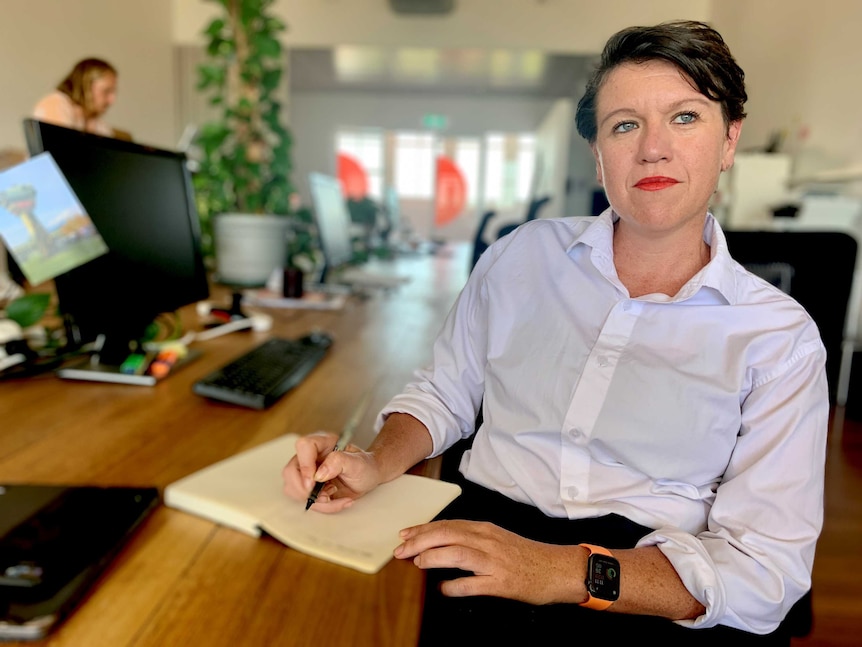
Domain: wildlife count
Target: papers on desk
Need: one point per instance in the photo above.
(366, 278)
(244, 492)
(267, 298)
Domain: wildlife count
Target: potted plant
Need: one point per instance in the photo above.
(243, 183)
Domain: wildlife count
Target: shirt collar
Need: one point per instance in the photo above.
(718, 275)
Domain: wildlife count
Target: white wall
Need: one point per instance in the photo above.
(577, 26)
(40, 41)
(803, 60)
(803, 66)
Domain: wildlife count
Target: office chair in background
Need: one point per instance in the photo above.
(817, 269)
(479, 244)
(532, 213)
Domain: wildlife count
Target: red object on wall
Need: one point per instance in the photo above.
(353, 178)
(451, 194)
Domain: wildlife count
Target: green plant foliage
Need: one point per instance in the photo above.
(28, 309)
(246, 165)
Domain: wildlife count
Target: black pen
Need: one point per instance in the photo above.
(343, 440)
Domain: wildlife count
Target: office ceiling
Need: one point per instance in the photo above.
(531, 73)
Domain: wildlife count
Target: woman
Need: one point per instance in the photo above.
(82, 98)
(654, 416)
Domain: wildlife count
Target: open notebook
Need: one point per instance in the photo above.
(244, 492)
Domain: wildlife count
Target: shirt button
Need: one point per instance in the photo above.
(627, 305)
(575, 433)
(573, 492)
(603, 361)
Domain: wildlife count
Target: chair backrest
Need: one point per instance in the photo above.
(536, 206)
(479, 244)
(532, 213)
(816, 268)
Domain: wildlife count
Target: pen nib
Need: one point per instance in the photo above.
(309, 503)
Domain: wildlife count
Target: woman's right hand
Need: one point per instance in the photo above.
(348, 474)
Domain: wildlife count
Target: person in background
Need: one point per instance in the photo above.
(650, 459)
(82, 98)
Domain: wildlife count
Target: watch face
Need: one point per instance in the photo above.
(603, 577)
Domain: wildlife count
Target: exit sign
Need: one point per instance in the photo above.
(433, 121)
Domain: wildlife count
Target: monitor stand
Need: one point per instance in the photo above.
(234, 311)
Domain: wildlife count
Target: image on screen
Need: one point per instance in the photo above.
(44, 226)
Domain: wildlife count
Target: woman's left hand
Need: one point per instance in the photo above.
(503, 564)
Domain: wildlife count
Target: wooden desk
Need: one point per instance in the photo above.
(185, 581)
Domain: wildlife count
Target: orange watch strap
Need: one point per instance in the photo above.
(596, 603)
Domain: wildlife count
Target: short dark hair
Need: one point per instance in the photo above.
(694, 47)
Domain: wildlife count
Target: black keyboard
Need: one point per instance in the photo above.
(262, 375)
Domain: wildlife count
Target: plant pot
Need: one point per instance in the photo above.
(248, 247)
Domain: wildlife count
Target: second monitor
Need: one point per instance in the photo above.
(335, 227)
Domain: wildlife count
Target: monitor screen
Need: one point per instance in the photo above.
(332, 219)
(141, 201)
(392, 207)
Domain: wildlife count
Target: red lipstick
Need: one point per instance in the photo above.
(656, 183)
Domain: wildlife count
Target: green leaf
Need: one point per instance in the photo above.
(29, 309)
(215, 27)
(270, 79)
(266, 45)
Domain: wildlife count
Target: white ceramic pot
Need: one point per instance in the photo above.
(248, 247)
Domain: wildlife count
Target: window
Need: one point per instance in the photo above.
(495, 160)
(498, 168)
(467, 157)
(414, 165)
(366, 146)
(526, 166)
(509, 168)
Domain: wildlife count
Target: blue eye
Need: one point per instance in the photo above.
(685, 118)
(625, 126)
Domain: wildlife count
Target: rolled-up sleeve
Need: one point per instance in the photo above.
(754, 561)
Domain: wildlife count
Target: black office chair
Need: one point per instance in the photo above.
(536, 205)
(815, 268)
(479, 244)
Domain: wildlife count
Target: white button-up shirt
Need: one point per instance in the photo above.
(702, 415)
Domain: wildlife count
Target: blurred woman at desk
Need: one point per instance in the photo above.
(82, 98)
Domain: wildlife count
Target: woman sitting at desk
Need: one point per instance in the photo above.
(82, 98)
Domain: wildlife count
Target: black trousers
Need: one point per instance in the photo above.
(475, 621)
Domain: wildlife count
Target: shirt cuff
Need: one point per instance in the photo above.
(697, 571)
(432, 415)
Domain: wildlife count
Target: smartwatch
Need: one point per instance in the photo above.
(603, 578)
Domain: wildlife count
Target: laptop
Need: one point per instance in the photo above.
(55, 542)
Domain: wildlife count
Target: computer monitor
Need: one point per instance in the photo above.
(141, 200)
(392, 208)
(332, 219)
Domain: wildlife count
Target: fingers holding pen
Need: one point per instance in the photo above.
(348, 474)
(299, 473)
